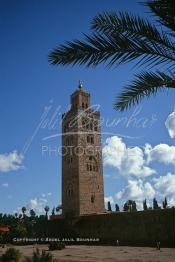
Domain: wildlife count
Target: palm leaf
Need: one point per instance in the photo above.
(144, 85)
(121, 38)
(165, 11)
(130, 25)
(112, 50)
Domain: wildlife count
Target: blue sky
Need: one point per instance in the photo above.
(28, 84)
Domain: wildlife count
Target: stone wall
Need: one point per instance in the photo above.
(130, 228)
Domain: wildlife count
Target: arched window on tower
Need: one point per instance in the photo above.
(69, 191)
(92, 198)
(92, 165)
(96, 126)
(90, 139)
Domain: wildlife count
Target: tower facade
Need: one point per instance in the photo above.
(82, 170)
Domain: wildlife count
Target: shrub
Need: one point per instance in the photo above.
(11, 254)
(56, 246)
(42, 256)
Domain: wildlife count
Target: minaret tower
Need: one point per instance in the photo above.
(82, 170)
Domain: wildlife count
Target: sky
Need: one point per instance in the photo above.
(138, 144)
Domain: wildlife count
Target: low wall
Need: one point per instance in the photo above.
(144, 227)
(130, 228)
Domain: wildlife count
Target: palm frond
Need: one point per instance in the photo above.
(144, 85)
(130, 25)
(112, 50)
(165, 11)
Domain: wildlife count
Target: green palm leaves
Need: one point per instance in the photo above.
(144, 84)
(119, 38)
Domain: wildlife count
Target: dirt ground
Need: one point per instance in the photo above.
(104, 253)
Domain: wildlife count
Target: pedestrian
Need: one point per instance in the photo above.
(158, 245)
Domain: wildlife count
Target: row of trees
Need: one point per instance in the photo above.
(33, 213)
(25, 223)
(130, 205)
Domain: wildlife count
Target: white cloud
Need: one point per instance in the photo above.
(5, 185)
(44, 195)
(165, 187)
(162, 153)
(137, 190)
(129, 161)
(37, 204)
(18, 210)
(10, 162)
(170, 124)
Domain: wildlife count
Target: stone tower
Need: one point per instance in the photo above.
(82, 170)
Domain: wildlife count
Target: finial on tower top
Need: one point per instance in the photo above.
(80, 85)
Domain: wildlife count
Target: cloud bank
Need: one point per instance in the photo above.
(138, 190)
(162, 153)
(128, 161)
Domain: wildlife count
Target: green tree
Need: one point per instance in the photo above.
(23, 209)
(18, 230)
(165, 203)
(32, 213)
(155, 204)
(145, 205)
(119, 38)
(126, 207)
(130, 206)
(53, 211)
(10, 255)
(46, 210)
(117, 209)
(109, 206)
(58, 208)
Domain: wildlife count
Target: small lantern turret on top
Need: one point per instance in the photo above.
(80, 99)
